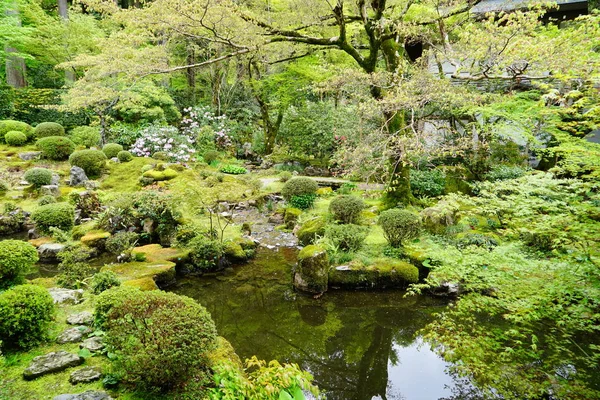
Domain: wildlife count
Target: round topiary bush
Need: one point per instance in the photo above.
(347, 237)
(58, 215)
(10, 125)
(16, 257)
(86, 136)
(166, 353)
(15, 138)
(92, 162)
(112, 149)
(210, 156)
(399, 226)
(46, 129)
(48, 199)
(346, 208)
(160, 155)
(104, 280)
(298, 187)
(26, 312)
(38, 177)
(57, 148)
(124, 156)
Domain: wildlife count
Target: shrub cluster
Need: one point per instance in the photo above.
(205, 254)
(58, 215)
(124, 156)
(103, 281)
(57, 148)
(15, 138)
(121, 242)
(46, 129)
(38, 177)
(86, 136)
(73, 267)
(16, 257)
(504, 172)
(91, 161)
(347, 237)
(303, 202)
(234, 170)
(285, 176)
(10, 125)
(399, 226)
(211, 156)
(346, 208)
(427, 183)
(48, 199)
(112, 149)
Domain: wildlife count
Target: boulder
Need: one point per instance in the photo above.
(382, 273)
(13, 222)
(85, 375)
(93, 344)
(77, 176)
(30, 155)
(50, 190)
(55, 179)
(73, 335)
(48, 252)
(310, 230)
(82, 318)
(88, 395)
(446, 289)
(311, 273)
(69, 296)
(91, 185)
(51, 362)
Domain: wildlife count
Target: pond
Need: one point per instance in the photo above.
(358, 345)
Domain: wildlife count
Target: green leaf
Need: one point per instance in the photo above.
(85, 353)
(284, 395)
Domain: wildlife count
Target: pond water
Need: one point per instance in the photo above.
(358, 345)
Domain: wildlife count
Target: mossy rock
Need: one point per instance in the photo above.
(142, 283)
(40, 241)
(161, 272)
(325, 191)
(311, 273)
(383, 273)
(224, 354)
(246, 243)
(156, 253)
(95, 239)
(291, 217)
(234, 252)
(310, 230)
(80, 231)
(165, 175)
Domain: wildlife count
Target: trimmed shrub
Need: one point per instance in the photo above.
(10, 125)
(86, 136)
(104, 280)
(38, 177)
(58, 215)
(205, 254)
(48, 199)
(121, 242)
(124, 156)
(92, 162)
(16, 257)
(168, 352)
(109, 299)
(346, 209)
(26, 312)
(73, 267)
(57, 148)
(298, 187)
(399, 226)
(15, 138)
(210, 156)
(347, 237)
(47, 129)
(427, 183)
(303, 202)
(285, 176)
(112, 149)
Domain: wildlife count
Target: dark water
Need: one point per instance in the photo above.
(358, 345)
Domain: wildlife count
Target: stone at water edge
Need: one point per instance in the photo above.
(48, 252)
(93, 344)
(51, 362)
(77, 176)
(61, 295)
(82, 318)
(88, 395)
(73, 335)
(85, 375)
(311, 274)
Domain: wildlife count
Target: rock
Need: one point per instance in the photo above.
(314, 171)
(310, 230)
(51, 362)
(50, 190)
(276, 219)
(48, 252)
(148, 227)
(87, 395)
(73, 335)
(30, 155)
(311, 273)
(91, 185)
(70, 296)
(85, 375)
(32, 234)
(77, 176)
(115, 160)
(13, 222)
(82, 318)
(55, 179)
(381, 273)
(93, 344)
(446, 289)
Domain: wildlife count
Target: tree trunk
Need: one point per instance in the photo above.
(63, 11)
(103, 128)
(15, 65)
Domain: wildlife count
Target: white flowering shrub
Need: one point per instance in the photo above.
(196, 120)
(178, 146)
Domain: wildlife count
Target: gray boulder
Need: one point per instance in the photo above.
(69, 296)
(93, 344)
(91, 185)
(82, 318)
(85, 375)
(88, 395)
(30, 155)
(50, 190)
(51, 362)
(48, 252)
(77, 177)
(55, 179)
(73, 335)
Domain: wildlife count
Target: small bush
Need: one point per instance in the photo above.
(104, 280)
(399, 226)
(346, 209)
(298, 187)
(285, 176)
(93, 162)
(48, 199)
(234, 170)
(86, 136)
(210, 156)
(427, 183)
(111, 150)
(504, 172)
(26, 312)
(74, 268)
(205, 254)
(58, 215)
(57, 148)
(311, 230)
(303, 202)
(10, 125)
(16, 258)
(124, 156)
(38, 177)
(15, 138)
(120, 242)
(347, 237)
(166, 353)
(110, 298)
(47, 129)
(160, 155)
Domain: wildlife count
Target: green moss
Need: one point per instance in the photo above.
(382, 273)
(291, 217)
(95, 239)
(310, 251)
(121, 176)
(234, 251)
(310, 230)
(156, 253)
(324, 192)
(146, 283)
(224, 354)
(161, 272)
(246, 243)
(166, 175)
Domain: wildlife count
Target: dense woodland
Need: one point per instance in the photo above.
(394, 150)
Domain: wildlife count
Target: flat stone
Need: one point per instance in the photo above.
(93, 344)
(82, 318)
(30, 155)
(48, 252)
(87, 395)
(85, 375)
(73, 335)
(50, 190)
(69, 296)
(50, 363)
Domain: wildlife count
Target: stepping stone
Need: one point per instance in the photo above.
(82, 318)
(73, 335)
(85, 375)
(69, 296)
(88, 395)
(93, 344)
(51, 362)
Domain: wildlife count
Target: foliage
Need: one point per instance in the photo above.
(285, 176)
(233, 169)
(73, 268)
(147, 103)
(346, 209)
(92, 162)
(16, 258)
(109, 299)
(38, 176)
(160, 340)
(298, 187)
(303, 201)
(48, 199)
(399, 226)
(46, 129)
(121, 242)
(503, 172)
(155, 138)
(111, 149)
(211, 156)
(10, 125)
(26, 312)
(205, 254)
(86, 136)
(15, 138)
(57, 215)
(56, 147)
(201, 122)
(124, 156)
(425, 183)
(478, 240)
(347, 237)
(103, 281)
